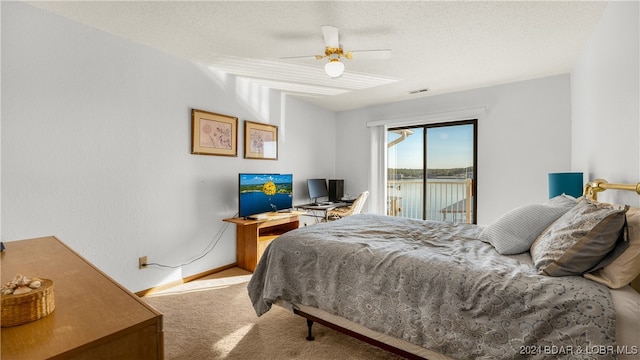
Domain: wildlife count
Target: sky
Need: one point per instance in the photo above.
(448, 147)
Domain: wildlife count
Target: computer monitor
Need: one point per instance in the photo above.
(317, 189)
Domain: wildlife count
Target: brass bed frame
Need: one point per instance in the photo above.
(591, 190)
(593, 187)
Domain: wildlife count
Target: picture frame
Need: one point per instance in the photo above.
(260, 141)
(213, 134)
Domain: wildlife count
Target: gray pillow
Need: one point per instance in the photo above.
(578, 240)
(514, 232)
(563, 200)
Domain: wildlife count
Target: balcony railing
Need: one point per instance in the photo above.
(447, 199)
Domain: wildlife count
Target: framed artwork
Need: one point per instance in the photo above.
(260, 141)
(213, 134)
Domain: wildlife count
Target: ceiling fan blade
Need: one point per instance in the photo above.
(306, 57)
(330, 36)
(369, 54)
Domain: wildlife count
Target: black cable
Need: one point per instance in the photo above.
(205, 253)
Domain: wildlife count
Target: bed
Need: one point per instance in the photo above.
(545, 281)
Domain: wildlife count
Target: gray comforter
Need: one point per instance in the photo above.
(435, 285)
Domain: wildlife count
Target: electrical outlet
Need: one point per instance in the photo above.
(142, 262)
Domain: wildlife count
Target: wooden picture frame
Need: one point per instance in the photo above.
(213, 134)
(260, 141)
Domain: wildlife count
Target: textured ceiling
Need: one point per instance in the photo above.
(442, 46)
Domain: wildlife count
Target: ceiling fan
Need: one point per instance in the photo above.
(333, 51)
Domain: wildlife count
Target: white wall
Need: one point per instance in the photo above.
(606, 102)
(524, 135)
(96, 136)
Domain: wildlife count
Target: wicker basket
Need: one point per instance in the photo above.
(24, 308)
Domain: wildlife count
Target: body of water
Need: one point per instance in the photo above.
(256, 202)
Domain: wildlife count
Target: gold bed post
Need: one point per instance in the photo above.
(593, 187)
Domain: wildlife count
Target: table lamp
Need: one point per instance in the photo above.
(569, 183)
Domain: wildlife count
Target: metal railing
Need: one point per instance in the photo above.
(447, 200)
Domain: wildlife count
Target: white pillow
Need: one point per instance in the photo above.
(563, 200)
(514, 232)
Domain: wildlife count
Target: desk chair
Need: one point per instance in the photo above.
(355, 208)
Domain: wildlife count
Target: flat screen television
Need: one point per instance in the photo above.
(261, 193)
(317, 189)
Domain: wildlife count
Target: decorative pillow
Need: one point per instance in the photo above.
(579, 239)
(621, 245)
(626, 267)
(563, 200)
(514, 231)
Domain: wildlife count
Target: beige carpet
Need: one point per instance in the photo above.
(213, 318)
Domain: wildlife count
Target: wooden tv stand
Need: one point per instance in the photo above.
(253, 236)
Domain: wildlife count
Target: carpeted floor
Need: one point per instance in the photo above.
(212, 318)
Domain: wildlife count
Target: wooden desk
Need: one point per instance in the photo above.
(253, 236)
(322, 208)
(94, 316)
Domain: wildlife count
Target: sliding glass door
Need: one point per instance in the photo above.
(431, 171)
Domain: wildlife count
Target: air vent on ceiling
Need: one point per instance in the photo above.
(418, 91)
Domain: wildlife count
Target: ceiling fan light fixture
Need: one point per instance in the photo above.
(334, 68)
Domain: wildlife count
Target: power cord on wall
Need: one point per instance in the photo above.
(206, 251)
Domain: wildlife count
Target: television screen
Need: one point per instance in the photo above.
(317, 188)
(260, 193)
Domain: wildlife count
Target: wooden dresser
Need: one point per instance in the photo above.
(94, 316)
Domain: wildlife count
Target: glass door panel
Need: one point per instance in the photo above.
(431, 172)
